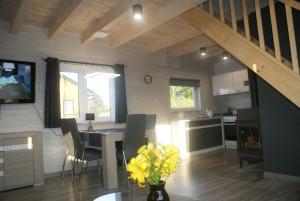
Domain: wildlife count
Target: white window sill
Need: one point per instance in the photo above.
(185, 110)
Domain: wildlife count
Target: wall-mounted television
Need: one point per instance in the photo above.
(17, 82)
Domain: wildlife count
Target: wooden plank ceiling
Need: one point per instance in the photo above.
(161, 28)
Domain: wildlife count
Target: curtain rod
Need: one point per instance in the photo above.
(86, 63)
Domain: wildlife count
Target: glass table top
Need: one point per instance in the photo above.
(121, 196)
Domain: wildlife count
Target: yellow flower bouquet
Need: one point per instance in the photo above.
(153, 164)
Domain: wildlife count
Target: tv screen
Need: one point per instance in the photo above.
(17, 82)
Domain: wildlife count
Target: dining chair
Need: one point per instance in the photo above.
(150, 127)
(135, 134)
(150, 121)
(76, 149)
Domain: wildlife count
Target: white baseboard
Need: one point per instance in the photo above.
(203, 151)
(284, 177)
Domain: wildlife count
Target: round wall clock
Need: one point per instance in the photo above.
(148, 79)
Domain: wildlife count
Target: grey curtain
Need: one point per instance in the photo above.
(52, 100)
(120, 95)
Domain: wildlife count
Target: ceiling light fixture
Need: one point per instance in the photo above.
(203, 51)
(137, 11)
(225, 56)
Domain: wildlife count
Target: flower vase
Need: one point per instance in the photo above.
(158, 193)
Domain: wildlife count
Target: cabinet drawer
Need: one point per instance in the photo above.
(1, 145)
(18, 174)
(17, 143)
(1, 164)
(1, 171)
(1, 182)
(18, 156)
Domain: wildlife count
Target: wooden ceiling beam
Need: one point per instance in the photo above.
(66, 16)
(172, 39)
(152, 20)
(190, 45)
(18, 19)
(105, 23)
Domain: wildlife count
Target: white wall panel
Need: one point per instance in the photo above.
(32, 44)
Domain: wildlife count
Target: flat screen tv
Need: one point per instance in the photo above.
(17, 82)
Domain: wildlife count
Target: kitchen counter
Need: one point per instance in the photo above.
(199, 118)
(195, 136)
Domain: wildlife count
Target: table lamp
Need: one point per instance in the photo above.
(90, 117)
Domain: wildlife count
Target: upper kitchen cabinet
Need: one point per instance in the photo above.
(229, 83)
(241, 81)
(223, 84)
(217, 81)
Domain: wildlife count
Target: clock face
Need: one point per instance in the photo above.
(148, 79)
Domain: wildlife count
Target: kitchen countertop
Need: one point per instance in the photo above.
(199, 119)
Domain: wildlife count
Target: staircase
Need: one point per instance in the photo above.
(268, 63)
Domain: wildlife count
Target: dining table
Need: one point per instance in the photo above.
(109, 138)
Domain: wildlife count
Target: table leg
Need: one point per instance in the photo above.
(110, 174)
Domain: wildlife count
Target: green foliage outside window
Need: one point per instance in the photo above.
(182, 97)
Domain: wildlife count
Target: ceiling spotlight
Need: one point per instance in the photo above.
(137, 11)
(225, 56)
(203, 51)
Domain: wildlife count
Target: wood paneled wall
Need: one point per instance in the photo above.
(32, 44)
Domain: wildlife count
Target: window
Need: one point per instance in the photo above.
(98, 96)
(184, 94)
(86, 89)
(68, 108)
(69, 95)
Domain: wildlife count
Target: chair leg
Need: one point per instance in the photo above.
(129, 189)
(81, 167)
(124, 160)
(73, 169)
(63, 168)
(86, 166)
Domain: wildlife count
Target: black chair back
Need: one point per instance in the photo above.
(70, 126)
(150, 121)
(135, 134)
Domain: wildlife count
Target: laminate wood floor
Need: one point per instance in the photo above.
(215, 176)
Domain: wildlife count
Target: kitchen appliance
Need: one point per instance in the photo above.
(229, 122)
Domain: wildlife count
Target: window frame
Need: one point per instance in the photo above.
(196, 101)
(82, 95)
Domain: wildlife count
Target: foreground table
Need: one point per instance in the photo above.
(120, 196)
(109, 139)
